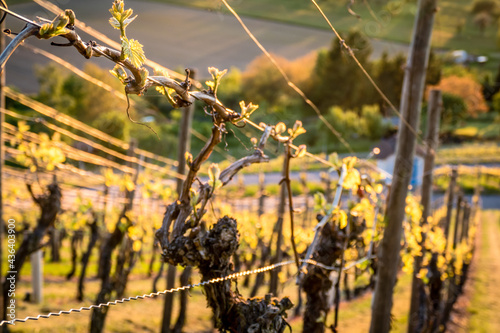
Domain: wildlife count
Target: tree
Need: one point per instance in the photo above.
(76, 96)
(482, 20)
(114, 123)
(263, 84)
(389, 74)
(52, 86)
(372, 123)
(484, 13)
(337, 79)
(454, 109)
(467, 88)
(485, 6)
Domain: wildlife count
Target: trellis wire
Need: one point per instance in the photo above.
(94, 145)
(365, 72)
(173, 290)
(289, 82)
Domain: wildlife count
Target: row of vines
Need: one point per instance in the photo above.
(349, 210)
(118, 209)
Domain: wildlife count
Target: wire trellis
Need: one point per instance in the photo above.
(173, 290)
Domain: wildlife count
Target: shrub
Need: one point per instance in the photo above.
(466, 88)
(485, 6)
(114, 123)
(262, 82)
(454, 109)
(372, 122)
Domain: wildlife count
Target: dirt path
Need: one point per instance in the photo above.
(477, 309)
(485, 303)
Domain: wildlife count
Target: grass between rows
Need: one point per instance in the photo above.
(453, 29)
(486, 293)
(145, 315)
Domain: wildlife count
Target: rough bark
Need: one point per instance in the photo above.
(278, 254)
(411, 99)
(76, 239)
(94, 236)
(191, 244)
(184, 146)
(418, 312)
(316, 283)
(110, 243)
(259, 279)
(154, 248)
(157, 277)
(125, 262)
(105, 261)
(435, 285)
(232, 313)
(183, 281)
(55, 244)
(50, 205)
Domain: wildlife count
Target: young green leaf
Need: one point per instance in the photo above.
(189, 158)
(342, 216)
(247, 110)
(352, 179)
(132, 50)
(301, 152)
(22, 126)
(56, 27)
(213, 172)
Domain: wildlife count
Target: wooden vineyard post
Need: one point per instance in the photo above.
(36, 259)
(411, 98)
(325, 178)
(278, 254)
(305, 214)
(464, 238)
(458, 220)
(183, 147)
(452, 292)
(416, 316)
(262, 194)
(465, 222)
(451, 198)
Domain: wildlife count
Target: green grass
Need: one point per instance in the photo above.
(135, 316)
(252, 191)
(479, 131)
(145, 315)
(354, 316)
(486, 294)
(469, 153)
(490, 184)
(394, 23)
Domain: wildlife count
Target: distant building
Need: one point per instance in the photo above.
(385, 155)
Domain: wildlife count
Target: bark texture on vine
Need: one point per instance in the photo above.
(50, 205)
(317, 283)
(183, 237)
(191, 243)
